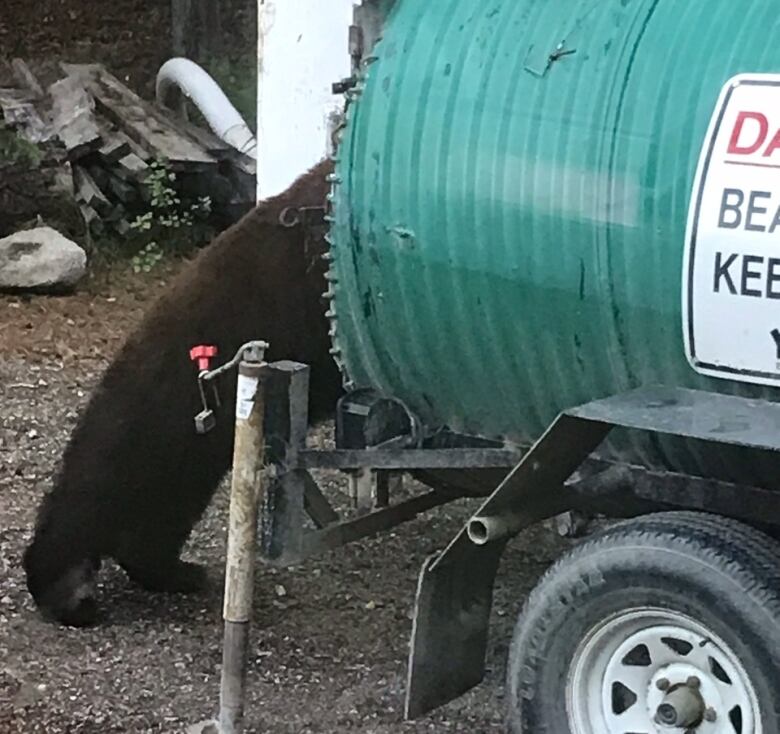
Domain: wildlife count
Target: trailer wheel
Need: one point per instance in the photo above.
(664, 623)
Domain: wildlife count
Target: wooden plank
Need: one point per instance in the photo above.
(88, 192)
(20, 113)
(143, 122)
(100, 175)
(123, 191)
(131, 168)
(116, 145)
(74, 119)
(92, 219)
(134, 149)
(140, 151)
(26, 78)
(87, 70)
(117, 214)
(148, 132)
(11, 99)
(205, 138)
(88, 73)
(214, 145)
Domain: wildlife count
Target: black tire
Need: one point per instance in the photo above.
(718, 572)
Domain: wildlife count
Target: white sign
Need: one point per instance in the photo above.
(247, 389)
(731, 274)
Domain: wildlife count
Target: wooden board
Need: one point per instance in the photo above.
(26, 78)
(19, 112)
(131, 168)
(204, 138)
(141, 121)
(73, 117)
(125, 192)
(92, 220)
(116, 145)
(213, 145)
(108, 137)
(88, 192)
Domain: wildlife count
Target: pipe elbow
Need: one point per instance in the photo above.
(179, 76)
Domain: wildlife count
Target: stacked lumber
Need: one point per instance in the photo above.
(109, 137)
(36, 181)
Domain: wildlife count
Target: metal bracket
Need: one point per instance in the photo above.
(454, 597)
(455, 591)
(343, 86)
(369, 20)
(206, 420)
(285, 541)
(292, 491)
(540, 69)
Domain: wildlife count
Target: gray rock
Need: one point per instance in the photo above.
(40, 259)
(204, 727)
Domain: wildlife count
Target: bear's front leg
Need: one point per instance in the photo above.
(173, 577)
(154, 564)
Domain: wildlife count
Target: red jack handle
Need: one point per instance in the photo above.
(203, 354)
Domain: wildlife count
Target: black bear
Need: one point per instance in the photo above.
(135, 476)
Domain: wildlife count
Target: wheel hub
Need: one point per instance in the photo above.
(654, 672)
(683, 706)
(684, 697)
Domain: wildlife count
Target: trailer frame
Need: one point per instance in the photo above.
(559, 473)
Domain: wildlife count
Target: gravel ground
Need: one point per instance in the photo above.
(330, 638)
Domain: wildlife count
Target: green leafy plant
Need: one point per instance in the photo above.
(170, 224)
(147, 258)
(14, 149)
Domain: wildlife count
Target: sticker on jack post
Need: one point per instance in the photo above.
(247, 389)
(731, 273)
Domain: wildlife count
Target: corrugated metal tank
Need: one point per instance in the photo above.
(509, 225)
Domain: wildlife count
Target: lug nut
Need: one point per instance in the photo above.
(710, 715)
(662, 684)
(693, 682)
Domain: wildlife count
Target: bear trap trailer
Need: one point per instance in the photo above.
(477, 140)
(454, 597)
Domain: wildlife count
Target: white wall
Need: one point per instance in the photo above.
(302, 50)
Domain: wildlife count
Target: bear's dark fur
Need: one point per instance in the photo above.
(135, 476)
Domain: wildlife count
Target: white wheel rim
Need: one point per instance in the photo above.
(632, 663)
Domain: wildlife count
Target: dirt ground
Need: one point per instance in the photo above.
(330, 642)
(130, 36)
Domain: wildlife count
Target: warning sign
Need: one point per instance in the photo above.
(731, 275)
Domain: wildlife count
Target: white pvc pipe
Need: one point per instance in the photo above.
(182, 76)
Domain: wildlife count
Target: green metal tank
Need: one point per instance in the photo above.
(511, 203)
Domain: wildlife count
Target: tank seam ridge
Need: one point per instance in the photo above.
(331, 258)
